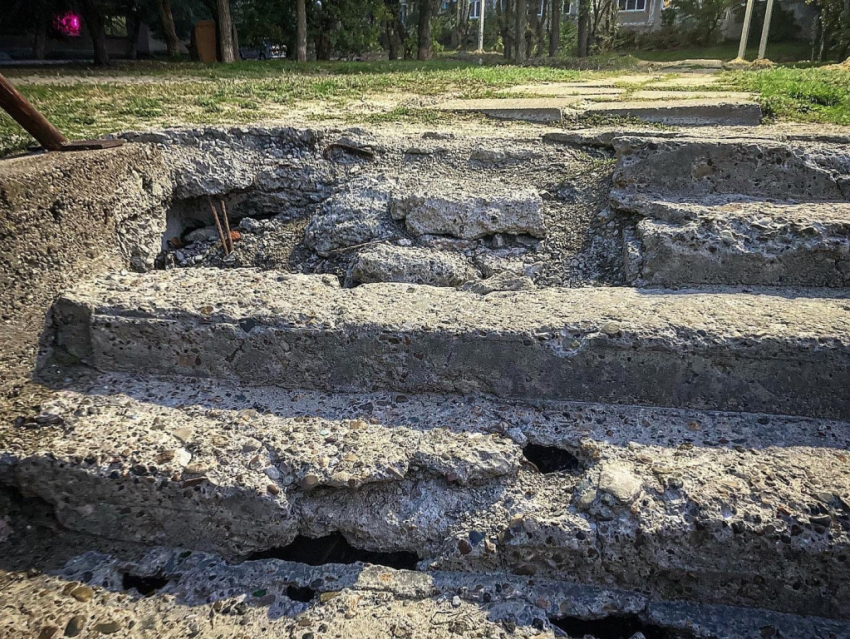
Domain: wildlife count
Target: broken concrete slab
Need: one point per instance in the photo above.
(539, 110)
(694, 112)
(723, 515)
(468, 211)
(718, 348)
(695, 167)
(389, 263)
(723, 241)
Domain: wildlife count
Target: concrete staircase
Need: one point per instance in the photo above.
(673, 458)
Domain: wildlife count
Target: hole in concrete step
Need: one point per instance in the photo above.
(145, 585)
(335, 549)
(611, 627)
(303, 595)
(551, 459)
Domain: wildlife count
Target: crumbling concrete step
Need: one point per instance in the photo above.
(747, 509)
(694, 112)
(526, 109)
(651, 168)
(282, 598)
(785, 351)
(723, 241)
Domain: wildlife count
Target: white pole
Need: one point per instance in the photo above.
(481, 24)
(745, 33)
(768, 12)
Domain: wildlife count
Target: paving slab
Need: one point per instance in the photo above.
(705, 348)
(526, 109)
(565, 89)
(690, 95)
(740, 507)
(686, 80)
(695, 112)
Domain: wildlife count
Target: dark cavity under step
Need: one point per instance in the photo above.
(550, 459)
(145, 585)
(335, 549)
(612, 627)
(304, 595)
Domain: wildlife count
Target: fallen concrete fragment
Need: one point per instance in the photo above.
(354, 216)
(388, 263)
(469, 211)
(714, 348)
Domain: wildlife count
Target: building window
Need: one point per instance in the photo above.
(632, 5)
(473, 9)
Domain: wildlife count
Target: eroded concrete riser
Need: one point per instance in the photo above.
(781, 351)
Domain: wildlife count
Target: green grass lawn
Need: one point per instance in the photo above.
(803, 95)
(86, 103)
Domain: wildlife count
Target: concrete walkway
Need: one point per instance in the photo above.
(680, 99)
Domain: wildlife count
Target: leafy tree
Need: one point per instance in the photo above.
(702, 17)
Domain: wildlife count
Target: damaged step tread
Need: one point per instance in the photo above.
(265, 590)
(773, 350)
(126, 456)
(726, 240)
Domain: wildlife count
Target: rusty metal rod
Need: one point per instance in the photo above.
(226, 223)
(218, 226)
(30, 119)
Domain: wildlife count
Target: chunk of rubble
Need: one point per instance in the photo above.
(389, 263)
(351, 217)
(469, 211)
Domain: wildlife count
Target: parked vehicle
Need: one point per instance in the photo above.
(266, 51)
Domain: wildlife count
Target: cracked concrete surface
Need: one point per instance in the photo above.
(705, 348)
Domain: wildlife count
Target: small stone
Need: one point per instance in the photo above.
(310, 481)
(82, 593)
(75, 626)
(325, 597)
(272, 473)
(48, 632)
(272, 489)
(184, 434)
(464, 547)
(456, 602)
(108, 627)
(619, 481)
(611, 329)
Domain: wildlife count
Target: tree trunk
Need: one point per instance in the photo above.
(166, 19)
(521, 21)
(134, 26)
(301, 30)
(583, 27)
(224, 27)
(504, 18)
(39, 43)
(94, 24)
(395, 30)
(424, 52)
(555, 29)
(455, 35)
